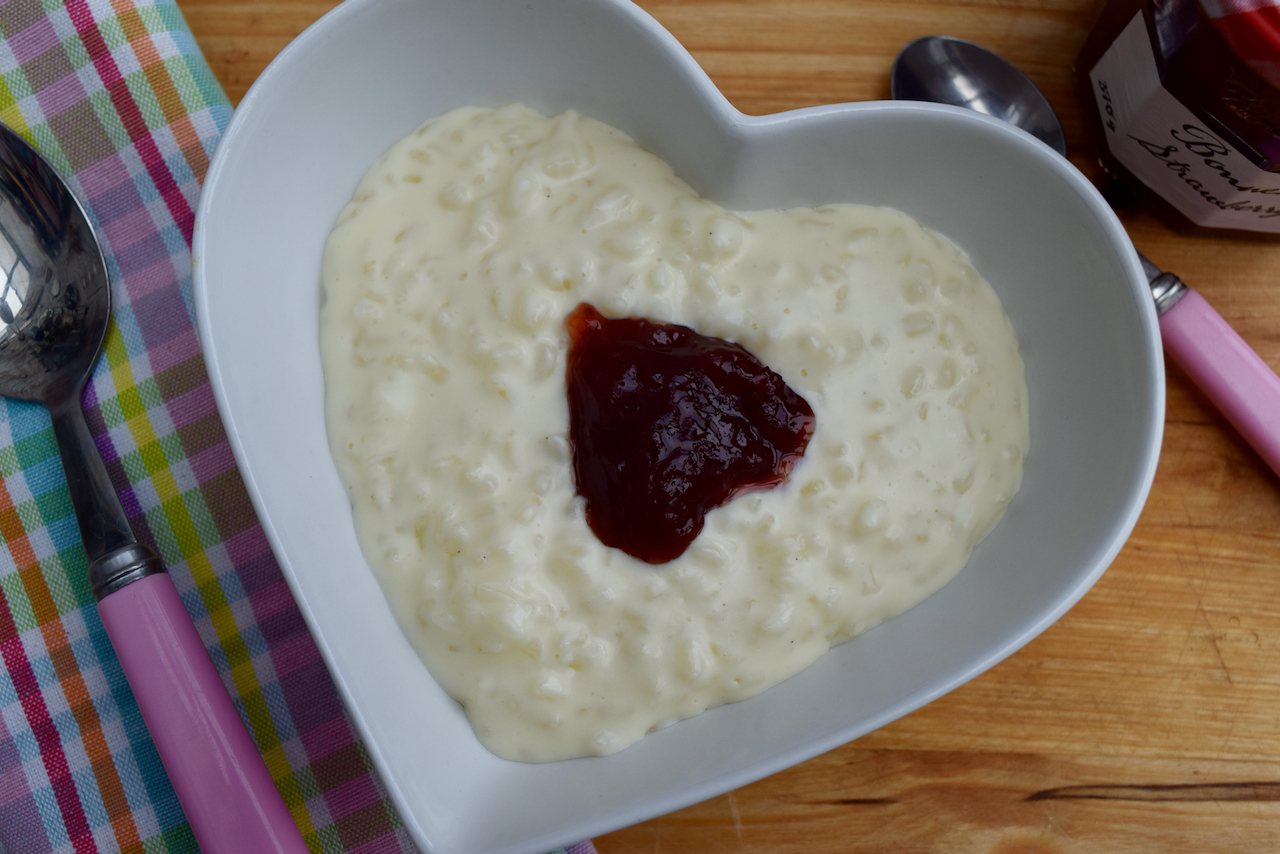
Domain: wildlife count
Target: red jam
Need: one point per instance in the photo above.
(667, 424)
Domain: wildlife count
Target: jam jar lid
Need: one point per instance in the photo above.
(1251, 28)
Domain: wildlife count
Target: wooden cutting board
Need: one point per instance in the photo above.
(1146, 719)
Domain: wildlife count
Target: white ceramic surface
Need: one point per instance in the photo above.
(370, 72)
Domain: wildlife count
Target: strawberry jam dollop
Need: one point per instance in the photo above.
(667, 424)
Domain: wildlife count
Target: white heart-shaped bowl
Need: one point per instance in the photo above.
(372, 71)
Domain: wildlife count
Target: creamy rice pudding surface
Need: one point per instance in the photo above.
(447, 281)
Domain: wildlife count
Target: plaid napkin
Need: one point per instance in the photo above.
(115, 94)
(1252, 29)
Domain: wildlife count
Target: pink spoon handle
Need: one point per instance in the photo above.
(219, 776)
(1227, 370)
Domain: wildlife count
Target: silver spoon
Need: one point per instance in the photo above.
(951, 71)
(55, 303)
(946, 70)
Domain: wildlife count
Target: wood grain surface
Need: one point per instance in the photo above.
(1148, 718)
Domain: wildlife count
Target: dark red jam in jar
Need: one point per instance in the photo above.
(667, 424)
(1184, 96)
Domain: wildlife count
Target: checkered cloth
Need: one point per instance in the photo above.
(1252, 29)
(115, 94)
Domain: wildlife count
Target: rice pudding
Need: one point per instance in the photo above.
(447, 281)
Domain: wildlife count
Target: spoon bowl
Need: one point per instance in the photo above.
(54, 309)
(56, 300)
(948, 70)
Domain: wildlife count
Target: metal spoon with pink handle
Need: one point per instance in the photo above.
(1246, 390)
(55, 302)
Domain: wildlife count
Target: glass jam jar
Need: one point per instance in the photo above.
(1187, 97)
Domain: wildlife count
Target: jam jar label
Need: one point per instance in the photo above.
(1171, 150)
